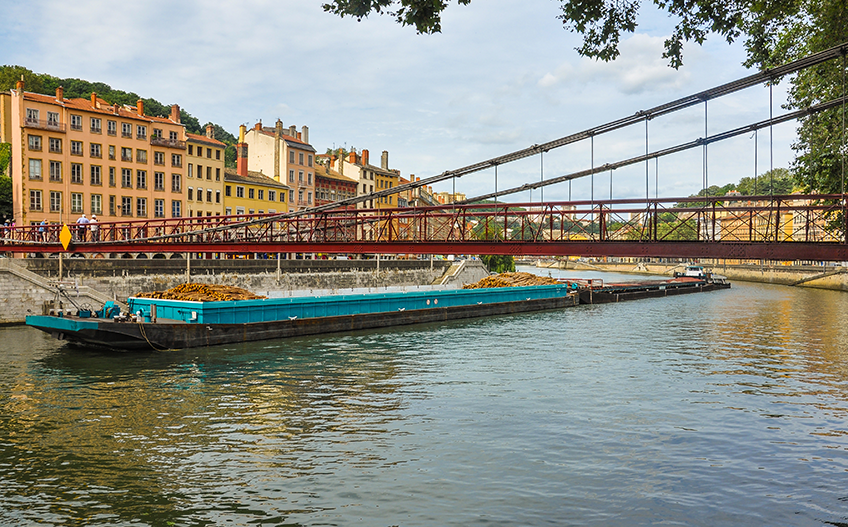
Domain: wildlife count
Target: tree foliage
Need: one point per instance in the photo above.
(6, 210)
(5, 158)
(602, 22)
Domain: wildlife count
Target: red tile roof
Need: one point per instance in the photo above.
(203, 139)
(126, 112)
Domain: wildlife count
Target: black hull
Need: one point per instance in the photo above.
(606, 296)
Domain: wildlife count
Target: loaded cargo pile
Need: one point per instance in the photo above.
(202, 293)
(511, 280)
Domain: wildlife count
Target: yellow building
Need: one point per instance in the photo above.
(86, 156)
(370, 178)
(204, 174)
(253, 193)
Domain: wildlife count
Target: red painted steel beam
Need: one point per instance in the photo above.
(674, 249)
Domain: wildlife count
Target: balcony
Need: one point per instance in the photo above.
(45, 125)
(169, 143)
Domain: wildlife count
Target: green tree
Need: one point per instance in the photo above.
(602, 22)
(5, 157)
(498, 263)
(6, 210)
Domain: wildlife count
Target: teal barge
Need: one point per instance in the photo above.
(175, 324)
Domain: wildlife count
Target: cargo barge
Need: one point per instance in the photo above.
(161, 324)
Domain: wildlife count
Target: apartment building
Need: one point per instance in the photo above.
(370, 178)
(330, 186)
(251, 192)
(286, 156)
(204, 174)
(75, 156)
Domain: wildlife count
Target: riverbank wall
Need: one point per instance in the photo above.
(27, 285)
(829, 277)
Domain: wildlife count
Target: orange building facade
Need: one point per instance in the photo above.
(85, 156)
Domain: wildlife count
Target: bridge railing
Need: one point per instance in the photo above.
(751, 219)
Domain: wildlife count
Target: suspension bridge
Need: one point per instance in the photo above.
(771, 227)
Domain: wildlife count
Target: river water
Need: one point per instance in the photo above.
(723, 408)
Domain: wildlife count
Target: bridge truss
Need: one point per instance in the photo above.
(791, 227)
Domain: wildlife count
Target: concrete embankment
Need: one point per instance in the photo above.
(820, 277)
(27, 284)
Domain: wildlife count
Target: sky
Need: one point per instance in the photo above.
(501, 76)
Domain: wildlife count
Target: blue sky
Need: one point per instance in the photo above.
(502, 75)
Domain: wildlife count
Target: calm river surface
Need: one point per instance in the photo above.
(725, 408)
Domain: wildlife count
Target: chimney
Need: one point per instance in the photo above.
(292, 131)
(298, 137)
(341, 162)
(305, 133)
(19, 85)
(93, 100)
(258, 126)
(384, 161)
(364, 157)
(210, 130)
(140, 106)
(352, 158)
(241, 152)
(175, 113)
(60, 94)
(278, 132)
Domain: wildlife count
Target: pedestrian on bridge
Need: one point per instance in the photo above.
(95, 229)
(82, 221)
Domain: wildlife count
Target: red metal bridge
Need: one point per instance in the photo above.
(790, 227)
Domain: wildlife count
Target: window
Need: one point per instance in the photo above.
(159, 158)
(199, 151)
(300, 177)
(272, 195)
(159, 181)
(208, 173)
(157, 133)
(310, 198)
(112, 205)
(141, 133)
(239, 210)
(176, 160)
(56, 171)
(55, 201)
(126, 154)
(199, 194)
(250, 193)
(126, 131)
(228, 191)
(76, 173)
(176, 208)
(199, 172)
(32, 116)
(310, 160)
(217, 196)
(126, 206)
(96, 176)
(217, 174)
(291, 176)
(209, 195)
(111, 176)
(190, 170)
(55, 145)
(112, 152)
(282, 196)
(141, 155)
(190, 195)
(76, 122)
(218, 154)
(228, 211)
(95, 125)
(126, 178)
(141, 207)
(96, 204)
(239, 192)
(95, 150)
(260, 194)
(300, 197)
(35, 169)
(76, 202)
(190, 150)
(141, 179)
(309, 178)
(172, 135)
(176, 183)
(35, 200)
(76, 148)
(159, 208)
(300, 158)
(35, 142)
(53, 119)
(291, 156)
(111, 127)
(208, 152)
(291, 196)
